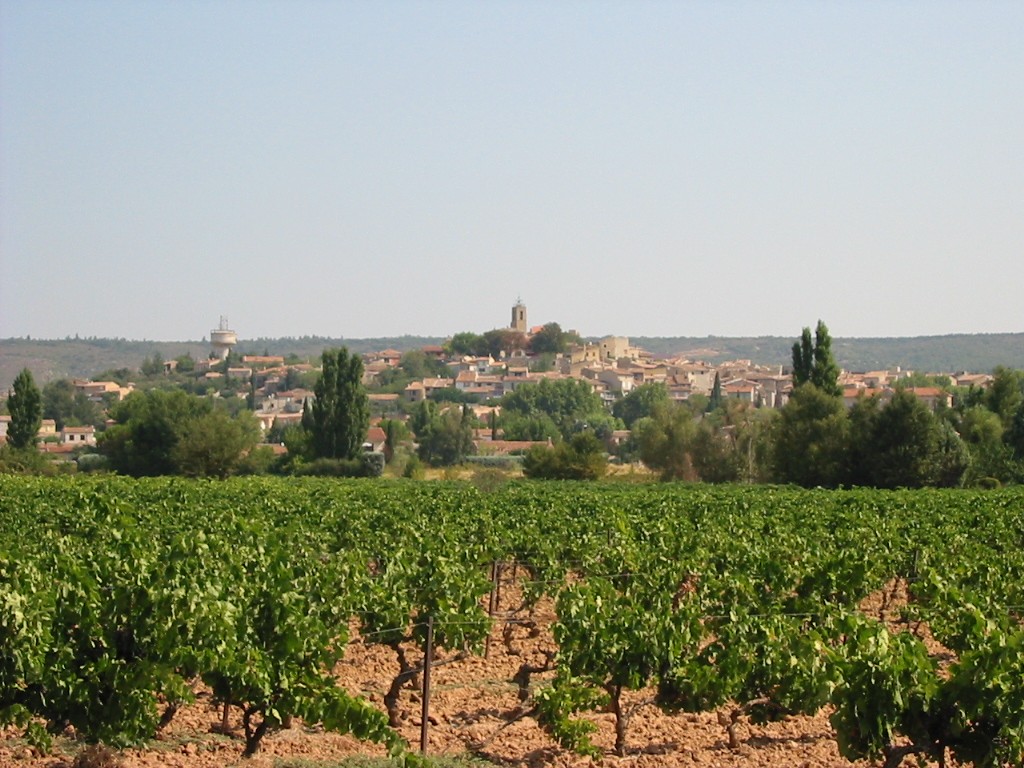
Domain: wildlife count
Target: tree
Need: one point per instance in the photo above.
(120, 376)
(810, 440)
(503, 341)
(950, 459)
(551, 339)
(813, 362)
(466, 343)
(149, 426)
(569, 403)
(186, 363)
(25, 406)
(153, 366)
(665, 441)
(421, 416)
(803, 358)
(825, 373)
(1005, 394)
(453, 395)
(395, 432)
(414, 364)
(912, 449)
(340, 414)
(715, 401)
(448, 439)
(170, 432)
(733, 442)
(714, 455)
(58, 401)
(990, 446)
(1014, 436)
(861, 419)
(535, 427)
(417, 364)
(67, 406)
(213, 445)
(580, 458)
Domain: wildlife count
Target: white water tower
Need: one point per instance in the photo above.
(222, 340)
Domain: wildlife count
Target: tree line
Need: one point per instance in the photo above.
(814, 440)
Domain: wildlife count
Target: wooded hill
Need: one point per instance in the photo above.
(978, 353)
(85, 358)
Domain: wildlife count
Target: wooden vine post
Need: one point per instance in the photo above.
(428, 660)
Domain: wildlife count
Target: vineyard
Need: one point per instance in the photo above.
(891, 621)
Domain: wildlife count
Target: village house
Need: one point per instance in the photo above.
(263, 361)
(414, 392)
(384, 402)
(582, 354)
(372, 372)
(972, 379)
(614, 348)
(933, 397)
(480, 365)
(389, 357)
(241, 373)
(742, 389)
(516, 372)
(97, 391)
(772, 388)
(289, 401)
(375, 440)
(483, 386)
(77, 436)
(699, 376)
(851, 393)
(47, 428)
(485, 414)
(679, 388)
(281, 419)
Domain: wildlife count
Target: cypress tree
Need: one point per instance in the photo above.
(715, 401)
(803, 358)
(825, 372)
(340, 415)
(25, 405)
(813, 362)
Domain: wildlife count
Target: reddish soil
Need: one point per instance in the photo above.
(473, 706)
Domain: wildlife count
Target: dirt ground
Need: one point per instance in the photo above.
(473, 707)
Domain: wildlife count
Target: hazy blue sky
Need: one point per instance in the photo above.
(382, 168)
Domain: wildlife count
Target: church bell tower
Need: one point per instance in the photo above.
(518, 316)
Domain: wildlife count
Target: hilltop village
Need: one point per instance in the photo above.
(276, 388)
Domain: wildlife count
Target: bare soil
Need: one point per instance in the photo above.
(474, 709)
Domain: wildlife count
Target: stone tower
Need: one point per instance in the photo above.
(518, 316)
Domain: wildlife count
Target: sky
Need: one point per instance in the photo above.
(373, 169)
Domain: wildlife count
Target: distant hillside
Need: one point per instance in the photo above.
(927, 354)
(84, 358)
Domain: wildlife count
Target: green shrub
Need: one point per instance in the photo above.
(372, 464)
(93, 462)
(414, 468)
(489, 479)
(331, 468)
(582, 458)
(364, 465)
